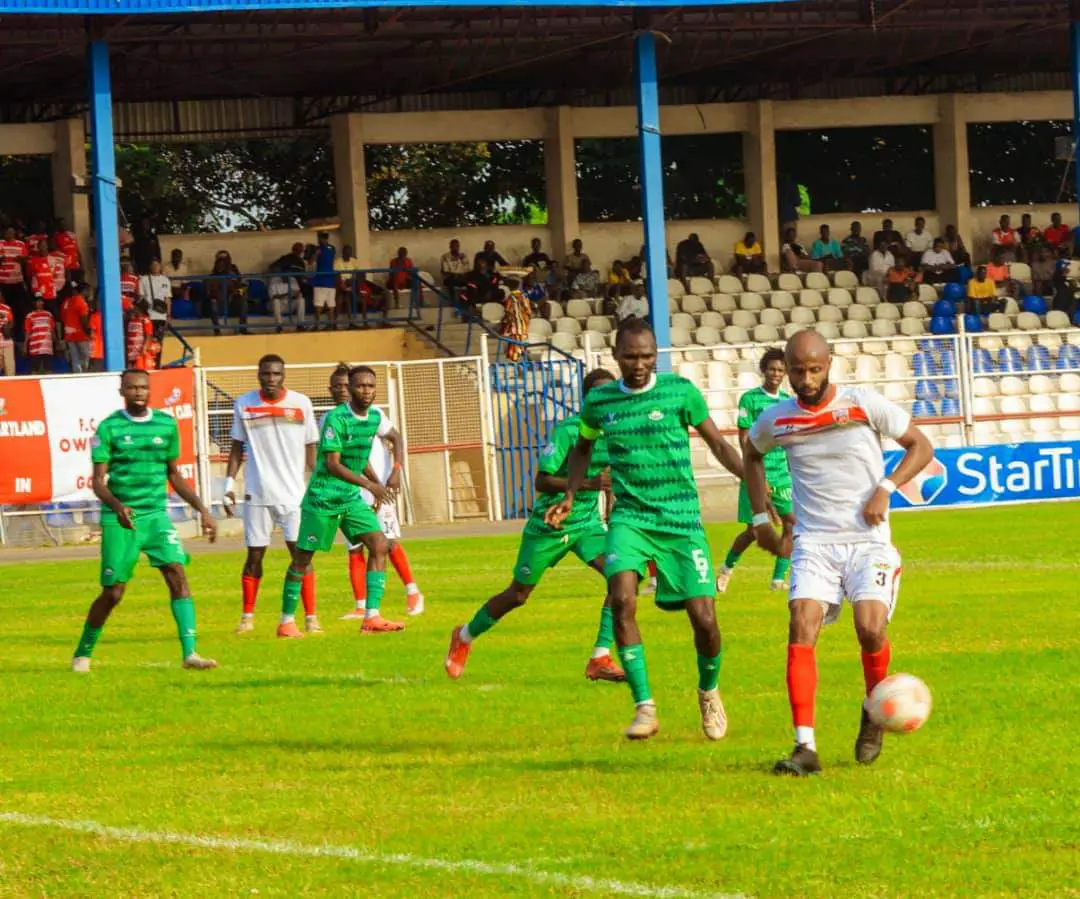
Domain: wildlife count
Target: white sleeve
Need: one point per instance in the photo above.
(887, 418)
(311, 426)
(385, 426)
(144, 290)
(761, 434)
(238, 432)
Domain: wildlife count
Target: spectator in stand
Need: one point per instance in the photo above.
(881, 261)
(68, 244)
(1005, 237)
(324, 284)
(619, 282)
(97, 337)
(58, 265)
(39, 269)
(633, 306)
(856, 250)
(40, 234)
(13, 255)
(7, 339)
(1064, 297)
(918, 241)
(345, 266)
(893, 240)
(997, 270)
(39, 344)
(938, 264)
(826, 250)
(982, 293)
(455, 269)
(155, 289)
(537, 294)
(145, 247)
(178, 271)
(139, 330)
(400, 278)
(226, 292)
(515, 323)
(954, 243)
(1043, 266)
(636, 268)
(749, 256)
(483, 286)
(1029, 237)
(667, 255)
(75, 320)
(124, 237)
(284, 287)
(691, 260)
(902, 281)
(556, 285)
(579, 271)
(492, 256)
(369, 296)
(793, 257)
(129, 286)
(1058, 236)
(537, 259)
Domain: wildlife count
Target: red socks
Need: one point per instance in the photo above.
(400, 561)
(358, 575)
(652, 568)
(307, 593)
(249, 586)
(875, 666)
(801, 683)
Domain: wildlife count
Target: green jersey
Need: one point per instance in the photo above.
(345, 432)
(649, 448)
(751, 405)
(553, 461)
(138, 452)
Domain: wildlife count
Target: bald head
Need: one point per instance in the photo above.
(806, 345)
(808, 359)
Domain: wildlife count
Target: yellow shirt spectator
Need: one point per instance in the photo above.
(981, 290)
(754, 249)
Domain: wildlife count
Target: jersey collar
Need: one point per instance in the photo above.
(280, 399)
(830, 395)
(149, 414)
(357, 415)
(634, 390)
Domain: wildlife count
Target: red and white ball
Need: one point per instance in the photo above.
(901, 703)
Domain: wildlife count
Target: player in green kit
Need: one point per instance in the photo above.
(333, 500)
(644, 417)
(134, 452)
(582, 533)
(751, 405)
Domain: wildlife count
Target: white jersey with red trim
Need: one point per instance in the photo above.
(381, 461)
(275, 436)
(834, 453)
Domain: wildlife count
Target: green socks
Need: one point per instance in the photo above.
(88, 641)
(732, 559)
(605, 637)
(376, 587)
(708, 668)
(481, 623)
(780, 569)
(633, 662)
(290, 595)
(183, 612)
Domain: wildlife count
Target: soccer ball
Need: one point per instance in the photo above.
(901, 703)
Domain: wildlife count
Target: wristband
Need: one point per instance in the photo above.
(397, 465)
(230, 485)
(760, 519)
(887, 485)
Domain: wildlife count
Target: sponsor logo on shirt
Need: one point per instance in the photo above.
(127, 438)
(656, 415)
(610, 418)
(841, 416)
(158, 441)
(548, 450)
(329, 433)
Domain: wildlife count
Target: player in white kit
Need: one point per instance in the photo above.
(276, 428)
(841, 547)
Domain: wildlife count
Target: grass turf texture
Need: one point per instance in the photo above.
(361, 741)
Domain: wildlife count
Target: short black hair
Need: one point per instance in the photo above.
(361, 370)
(341, 370)
(596, 376)
(271, 357)
(632, 326)
(773, 354)
(134, 371)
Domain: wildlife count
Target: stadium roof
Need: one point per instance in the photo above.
(328, 55)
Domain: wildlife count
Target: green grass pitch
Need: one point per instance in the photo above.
(350, 765)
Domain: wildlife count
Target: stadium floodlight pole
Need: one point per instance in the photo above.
(1074, 33)
(106, 218)
(652, 192)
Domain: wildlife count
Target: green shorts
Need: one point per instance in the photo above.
(318, 528)
(683, 562)
(780, 496)
(154, 535)
(540, 551)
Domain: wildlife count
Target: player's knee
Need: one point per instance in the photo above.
(253, 566)
(176, 580)
(871, 625)
(379, 545)
(806, 618)
(517, 595)
(623, 602)
(112, 595)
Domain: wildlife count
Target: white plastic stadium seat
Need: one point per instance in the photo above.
(829, 313)
(1013, 405)
(772, 317)
(743, 319)
(1012, 386)
(758, 283)
(860, 314)
(735, 334)
(802, 316)
(1020, 271)
(492, 313)
(1056, 319)
(867, 296)
(555, 310)
(817, 281)
(675, 288)
(782, 300)
(1042, 405)
(1028, 321)
(712, 320)
(579, 309)
(789, 281)
(596, 340)
(998, 321)
(846, 279)
(706, 336)
(912, 327)
(840, 370)
(539, 329)
(897, 366)
(828, 330)
(723, 302)
(599, 323)
(766, 334)
(793, 328)
(683, 320)
(1040, 384)
(563, 341)
(927, 293)
(853, 330)
(568, 326)
(692, 372)
(680, 336)
(984, 405)
(840, 297)
(673, 305)
(719, 374)
(1069, 382)
(867, 368)
(693, 304)
(883, 327)
(984, 387)
(887, 312)
(897, 391)
(752, 302)
(811, 299)
(914, 309)
(724, 284)
(848, 348)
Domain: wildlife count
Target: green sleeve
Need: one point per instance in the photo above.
(746, 414)
(553, 456)
(695, 409)
(331, 439)
(174, 441)
(590, 427)
(101, 445)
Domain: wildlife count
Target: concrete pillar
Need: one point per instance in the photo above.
(69, 166)
(350, 182)
(952, 170)
(759, 166)
(560, 176)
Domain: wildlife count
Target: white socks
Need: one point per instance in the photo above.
(464, 634)
(411, 589)
(599, 652)
(805, 735)
(288, 619)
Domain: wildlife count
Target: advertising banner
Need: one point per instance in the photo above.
(46, 425)
(982, 475)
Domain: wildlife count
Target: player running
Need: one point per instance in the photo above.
(644, 418)
(842, 544)
(134, 452)
(543, 547)
(333, 500)
(276, 427)
(751, 405)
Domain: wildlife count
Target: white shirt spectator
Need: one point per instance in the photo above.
(632, 307)
(156, 287)
(936, 259)
(919, 243)
(880, 262)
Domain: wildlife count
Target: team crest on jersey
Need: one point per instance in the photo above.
(127, 438)
(330, 433)
(841, 416)
(158, 441)
(525, 570)
(290, 414)
(656, 415)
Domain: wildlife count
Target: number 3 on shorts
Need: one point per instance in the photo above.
(701, 563)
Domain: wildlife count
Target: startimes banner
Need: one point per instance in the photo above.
(983, 475)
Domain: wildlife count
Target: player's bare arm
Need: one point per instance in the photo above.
(232, 469)
(397, 447)
(310, 451)
(723, 451)
(189, 496)
(758, 490)
(548, 483)
(336, 469)
(124, 515)
(917, 455)
(577, 468)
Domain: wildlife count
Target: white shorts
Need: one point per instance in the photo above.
(284, 287)
(259, 522)
(833, 572)
(325, 297)
(388, 521)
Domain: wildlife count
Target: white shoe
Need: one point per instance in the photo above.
(645, 723)
(650, 585)
(81, 664)
(414, 604)
(354, 615)
(778, 585)
(713, 718)
(246, 626)
(723, 579)
(197, 662)
(311, 624)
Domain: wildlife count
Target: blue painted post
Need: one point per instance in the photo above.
(106, 227)
(652, 192)
(1074, 30)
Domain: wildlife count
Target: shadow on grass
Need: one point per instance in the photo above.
(288, 682)
(410, 747)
